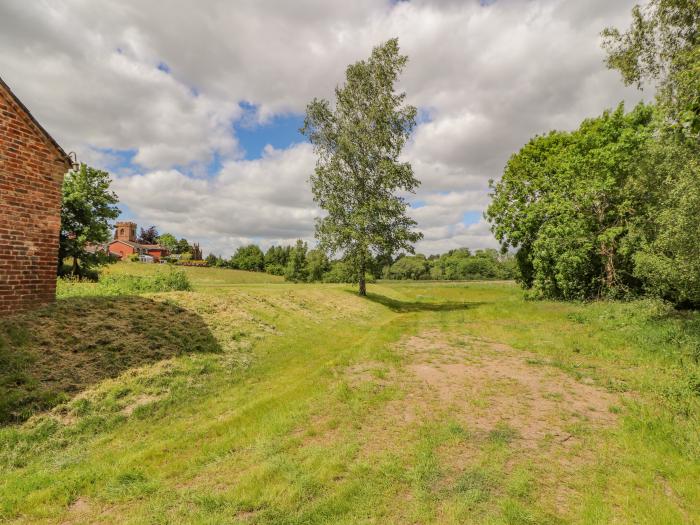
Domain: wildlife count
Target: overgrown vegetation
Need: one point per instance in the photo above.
(125, 284)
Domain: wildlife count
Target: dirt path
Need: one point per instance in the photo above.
(517, 414)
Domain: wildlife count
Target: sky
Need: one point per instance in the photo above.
(194, 107)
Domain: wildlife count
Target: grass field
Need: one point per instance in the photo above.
(273, 403)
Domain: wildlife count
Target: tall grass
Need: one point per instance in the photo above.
(120, 284)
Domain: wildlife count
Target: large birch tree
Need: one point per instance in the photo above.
(358, 173)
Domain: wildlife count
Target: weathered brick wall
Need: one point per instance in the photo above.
(31, 172)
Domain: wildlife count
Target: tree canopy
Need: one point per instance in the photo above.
(357, 175)
(169, 241)
(87, 209)
(148, 236)
(662, 46)
(567, 202)
(249, 258)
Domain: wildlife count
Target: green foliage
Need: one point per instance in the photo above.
(611, 209)
(297, 270)
(182, 246)
(455, 265)
(663, 45)
(358, 143)
(87, 208)
(168, 240)
(340, 272)
(317, 264)
(568, 202)
(276, 259)
(409, 267)
(250, 258)
(462, 265)
(125, 284)
(668, 261)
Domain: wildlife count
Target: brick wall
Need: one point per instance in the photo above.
(31, 172)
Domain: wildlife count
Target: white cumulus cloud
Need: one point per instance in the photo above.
(162, 83)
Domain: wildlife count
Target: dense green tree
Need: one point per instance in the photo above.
(667, 260)
(250, 258)
(379, 263)
(461, 264)
(87, 209)
(317, 265)
(276, 259)
(409, 267)
(168, 241)
(340, 272)
(182, 247)
(296, 269)
(566, 201)
(357, 175)
(663, 46)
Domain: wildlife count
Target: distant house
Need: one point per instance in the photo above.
(32, 166)
(124, 245)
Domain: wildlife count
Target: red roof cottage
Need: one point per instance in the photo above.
(32, 166)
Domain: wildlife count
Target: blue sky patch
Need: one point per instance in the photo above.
(471, 217)
(280, 132)
(116, 159)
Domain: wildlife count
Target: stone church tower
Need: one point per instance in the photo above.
(125, 231)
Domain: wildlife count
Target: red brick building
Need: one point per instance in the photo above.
(32, 166)
(124, 244)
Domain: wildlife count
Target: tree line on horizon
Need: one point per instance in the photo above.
(298, 263)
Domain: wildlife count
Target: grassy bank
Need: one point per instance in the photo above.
(424, 403)
(201, 278)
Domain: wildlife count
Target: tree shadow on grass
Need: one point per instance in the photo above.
(49, 355)
(418, 306)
